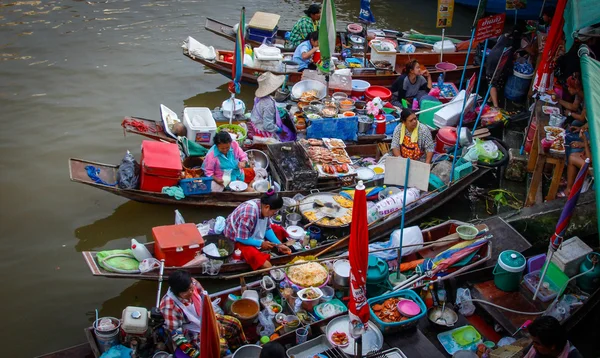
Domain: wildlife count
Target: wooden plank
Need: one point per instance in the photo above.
(559, 166)
(536, 179)
(508, 320)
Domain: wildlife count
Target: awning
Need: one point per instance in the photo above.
(591, 87)
(579, 14)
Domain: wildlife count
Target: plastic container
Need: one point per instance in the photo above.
(380, 126)
(377, 276)
(106, 338)
(161, 165)
(134, 320)
(196, 186)
(309, 304)
(378, 91)
(462, 169)
(262, 32)
(389, 56)
(359, 87)
(177, 244)
(328, 293)
(570, 256)
(516, 87)
(390, 327)
(335, 302)
(427, 117)
(140, 252)
(445, 139)
(200, 124)
(535, 263)
(509, 270)
(446, 45)
(390, 127)
(547, 292)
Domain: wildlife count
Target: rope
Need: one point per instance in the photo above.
(139, 126)
(94, 174)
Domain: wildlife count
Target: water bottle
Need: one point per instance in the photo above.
(441, 81)
(140, 252)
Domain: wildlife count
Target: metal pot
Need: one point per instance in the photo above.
(365, 123)
(466, 138)
(435, 312)
(341, 273)
(248, 351)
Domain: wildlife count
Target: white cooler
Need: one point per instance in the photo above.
(200, 124)
(449, 115)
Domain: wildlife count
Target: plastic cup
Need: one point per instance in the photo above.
(301, 335)
(313, 243)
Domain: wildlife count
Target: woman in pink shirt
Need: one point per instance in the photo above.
(226, 155)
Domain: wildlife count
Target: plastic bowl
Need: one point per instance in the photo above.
(328, 293)
(408, 308)
(349, 114)
(467, 232)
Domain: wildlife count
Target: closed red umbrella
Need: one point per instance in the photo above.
(209, 329)
(358, 309)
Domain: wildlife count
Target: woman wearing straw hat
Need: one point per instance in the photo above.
(267, 120)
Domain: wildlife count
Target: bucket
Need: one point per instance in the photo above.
(517, 86)
(193, 167)
(509, 270)
(107, 338)
(445, 139)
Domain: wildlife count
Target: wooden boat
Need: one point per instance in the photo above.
(424, 55)
(377, 231)
(83, 350)
(251, 74)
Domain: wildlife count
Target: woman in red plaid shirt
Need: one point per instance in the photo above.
(183, 318)
(250, 224)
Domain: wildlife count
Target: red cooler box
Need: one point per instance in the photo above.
(177, 244)
(161, 165)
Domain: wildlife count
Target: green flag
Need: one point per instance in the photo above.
(327, 35)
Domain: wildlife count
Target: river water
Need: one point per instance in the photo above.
(69, 72)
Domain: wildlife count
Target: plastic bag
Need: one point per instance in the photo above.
(486, 150)
(148, 265)
(219, 225)
(463, 300)
(266, 321)
(216, 307)
(412, 236)
(179, 218)
(197, 261)
(195, 48)
(128, 173)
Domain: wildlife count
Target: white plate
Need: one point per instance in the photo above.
(372, 167)
(365, 173)
(338, 345)
(238, 185)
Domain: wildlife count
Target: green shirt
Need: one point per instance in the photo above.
(301, 30)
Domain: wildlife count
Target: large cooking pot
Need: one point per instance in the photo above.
(341, 273)
(248, 351)
(245, 309)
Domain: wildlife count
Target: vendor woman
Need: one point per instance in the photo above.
(249, 225)
(267, 121)
(223, 158)
(412, 139)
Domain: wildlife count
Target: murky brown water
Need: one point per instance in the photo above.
(69, 72)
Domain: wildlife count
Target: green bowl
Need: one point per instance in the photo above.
(467, 232)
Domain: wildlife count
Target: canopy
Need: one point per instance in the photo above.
(590, 69)
(579, 14)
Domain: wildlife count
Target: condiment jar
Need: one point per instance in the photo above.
(237, 254)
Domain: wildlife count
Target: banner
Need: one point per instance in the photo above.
(488, 27)
(366, 14)
(445, 12)
(516, 4)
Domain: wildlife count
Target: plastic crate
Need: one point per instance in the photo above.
(462, 168)
(397, 326)
(261, 32)
(196, 186)
(261, 38)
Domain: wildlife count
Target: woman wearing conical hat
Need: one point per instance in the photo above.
(269, 121)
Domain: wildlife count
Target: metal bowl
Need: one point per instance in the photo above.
(309, 85)
(222, 242)
(260, 158)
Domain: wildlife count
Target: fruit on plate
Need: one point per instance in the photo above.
(339, 338)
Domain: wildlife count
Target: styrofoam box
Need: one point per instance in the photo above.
(570, 256)
(450, 114)
(200, 124)
(389, 56)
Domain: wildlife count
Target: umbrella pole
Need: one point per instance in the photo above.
(358, 347)
(548, 260)
(232, 108)
(160, 280)
(402, 221)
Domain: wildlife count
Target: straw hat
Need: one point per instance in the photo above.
(268, 83)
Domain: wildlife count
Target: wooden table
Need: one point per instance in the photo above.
(538, 159)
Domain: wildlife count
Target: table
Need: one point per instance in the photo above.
(538, 159)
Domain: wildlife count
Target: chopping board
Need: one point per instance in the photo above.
(264, 21)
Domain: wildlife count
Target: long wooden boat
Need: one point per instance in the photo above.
(251, 74)
(424, 55)
(377, 231)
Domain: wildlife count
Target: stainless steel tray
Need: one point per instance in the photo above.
(310, 348)
(372, 339)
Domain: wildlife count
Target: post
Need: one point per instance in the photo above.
(548, 260)
(160, 280)
(462, 116)
(462, 76)
(442, 49)
(485, 98)
(403, 214)
(477, 89)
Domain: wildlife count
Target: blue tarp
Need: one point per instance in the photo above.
(345, 128)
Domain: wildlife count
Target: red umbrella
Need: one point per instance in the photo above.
(545, 68)
(209, 328)
(358, 309)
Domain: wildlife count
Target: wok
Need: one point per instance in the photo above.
(309, 85)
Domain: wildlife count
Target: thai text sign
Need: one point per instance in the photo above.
(445, 12)
(490, 26)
